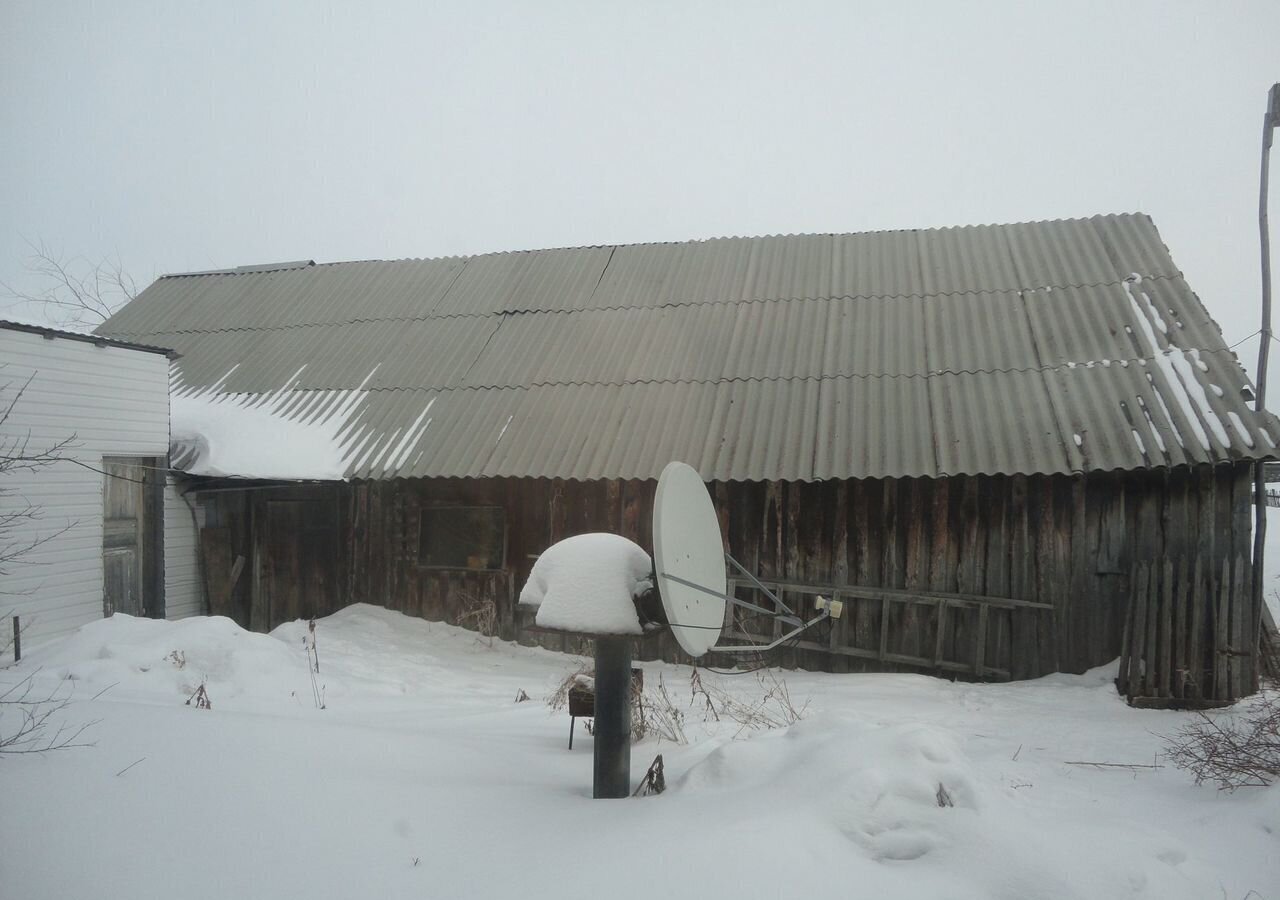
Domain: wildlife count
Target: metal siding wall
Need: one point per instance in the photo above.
(115, 402)
(182, 594)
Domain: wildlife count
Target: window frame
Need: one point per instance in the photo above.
(423, 511)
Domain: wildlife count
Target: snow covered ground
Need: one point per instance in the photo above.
(423, 777)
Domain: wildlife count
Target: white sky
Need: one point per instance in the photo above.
(177, 136)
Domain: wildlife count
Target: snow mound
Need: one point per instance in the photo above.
(173, 658)
(908, 796)
(586, 583)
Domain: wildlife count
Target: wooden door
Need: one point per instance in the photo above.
(129, 529)
(297, 550)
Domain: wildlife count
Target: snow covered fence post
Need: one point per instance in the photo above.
(612, 772)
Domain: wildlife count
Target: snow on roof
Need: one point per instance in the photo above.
(586, 584)
(283, 434)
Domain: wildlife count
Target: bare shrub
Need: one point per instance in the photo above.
(774, 708)
(1231, 749)
(480, 615)
(33, 714)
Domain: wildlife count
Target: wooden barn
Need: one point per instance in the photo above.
(1011, 450)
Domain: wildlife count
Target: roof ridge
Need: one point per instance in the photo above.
(277, 267)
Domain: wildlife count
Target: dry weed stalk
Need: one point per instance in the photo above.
(480, 614)
(1233, 750)
(654, 781)
(654, 713)
(584, 675)
(200, 697)
(773, 709)
(313, 664)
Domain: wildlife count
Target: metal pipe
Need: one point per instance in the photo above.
(612, 759)
(790, 620)
(758, 648)
(768, 593)
(1269, 122)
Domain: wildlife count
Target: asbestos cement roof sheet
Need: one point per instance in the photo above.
(1038, 348)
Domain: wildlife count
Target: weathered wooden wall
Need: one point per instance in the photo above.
(1068, 542)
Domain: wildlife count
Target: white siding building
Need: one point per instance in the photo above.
(98, 529)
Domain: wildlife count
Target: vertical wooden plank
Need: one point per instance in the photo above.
(1198, 670)
(1241, 653)
(613, 505)
(891, 572)
(865, 527)
(980, 642)
(943, 549)
(1084, 603)
(1021, 559)
(771, 562)
(840, 569)
(557, 512)
(1151, 647)
(1243, 604)
(940, 632)
(884, 627)
(1222, 633)
(860, 528)
(1182, 592)
(1138, 647)
(1126, 640)
(912, 640)
(995, 496)
(840, 534)
(1165, 655)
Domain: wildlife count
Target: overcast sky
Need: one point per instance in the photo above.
(175, 136)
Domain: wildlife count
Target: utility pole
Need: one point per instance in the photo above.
(1270, 121)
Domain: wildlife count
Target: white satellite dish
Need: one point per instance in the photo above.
(688, 557)
(689, 564)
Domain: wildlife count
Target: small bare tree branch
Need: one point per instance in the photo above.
(18, 453)
(75, 291)
(34, 732)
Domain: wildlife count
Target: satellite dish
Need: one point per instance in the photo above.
(689, 565)
(688, 556)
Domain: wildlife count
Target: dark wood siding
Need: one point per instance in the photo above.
(1068, 543)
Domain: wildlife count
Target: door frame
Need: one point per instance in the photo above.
(151, 541)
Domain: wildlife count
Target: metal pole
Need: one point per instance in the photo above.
(1269, 123)
(613, 719)
(17, 641)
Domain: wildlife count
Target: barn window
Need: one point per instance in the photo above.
(462, 537)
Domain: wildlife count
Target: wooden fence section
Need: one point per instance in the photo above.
(961, 633)
(1189, 635)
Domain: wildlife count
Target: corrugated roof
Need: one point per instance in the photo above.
(1049, 347)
